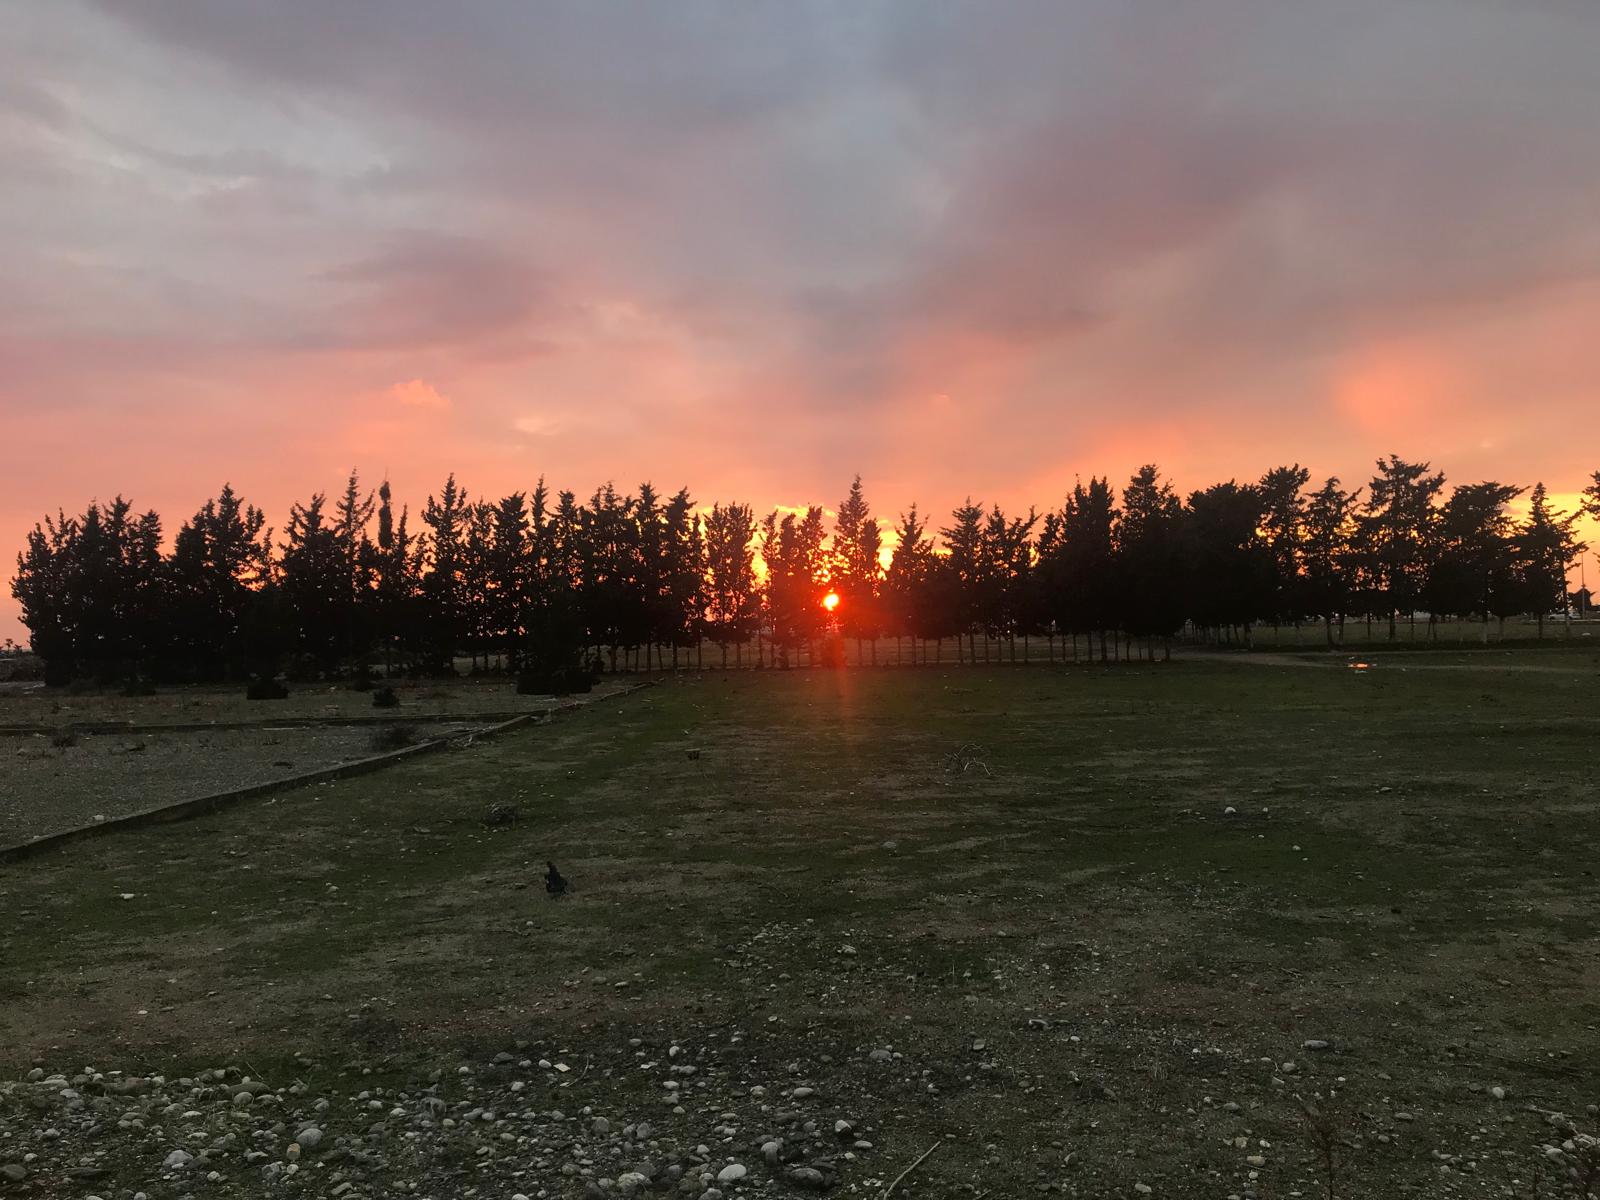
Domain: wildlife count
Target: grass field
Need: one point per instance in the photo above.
(1163, 909)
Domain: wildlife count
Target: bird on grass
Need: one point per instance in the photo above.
(554, 882)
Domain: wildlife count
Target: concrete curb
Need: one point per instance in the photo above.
(395, 717)
(200, 805)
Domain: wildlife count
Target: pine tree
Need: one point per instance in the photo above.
(508, 577)
(442, 584)
(1283, 514)
(1473, 569)
(352, 514)
(1328, 561)
(1080, 571)
(314, 582)
(908, 582)
(397, 567)
(1149, 561)
(733, 605)
(683, 575)
(964, 565)
(221, 557)
(856, 571)
(1546, 543)
(1398, 529)
(797, 570)
(1229, 565)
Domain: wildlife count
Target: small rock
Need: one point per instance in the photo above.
(732, 1173)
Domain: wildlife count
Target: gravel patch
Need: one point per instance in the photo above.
(46, 787)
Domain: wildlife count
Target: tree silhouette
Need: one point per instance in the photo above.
(1330, 563)
(856, 571)
(221, 558)
(397, 569)
(1229, 566)
(1150, 557)
(1283, 528)
(733, 606)
(1473, 568)
(797, 568)
(532, 582)
(965, 569)
(1545, 544)
(352, 515)
(442, 581)
(906, 589)
(1398, 530)
(313, 577)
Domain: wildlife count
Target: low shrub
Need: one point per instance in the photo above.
(563, 681)
(266, 687)
(385, 697)
(393, 737)
(138, 685)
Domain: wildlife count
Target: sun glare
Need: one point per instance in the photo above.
(831, 601)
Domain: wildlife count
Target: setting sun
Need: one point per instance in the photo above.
(831, 601)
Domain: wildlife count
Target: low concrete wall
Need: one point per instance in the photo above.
(198, 806)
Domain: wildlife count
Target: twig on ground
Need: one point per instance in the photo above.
(965, 757)
(889, 1191)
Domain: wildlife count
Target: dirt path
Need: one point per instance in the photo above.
(1385, 661)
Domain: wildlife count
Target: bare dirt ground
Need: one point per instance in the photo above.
(1200, 931)
(63, 762)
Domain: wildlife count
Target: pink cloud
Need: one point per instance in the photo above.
(417, 393)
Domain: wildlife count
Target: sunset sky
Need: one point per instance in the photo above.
(756, 248)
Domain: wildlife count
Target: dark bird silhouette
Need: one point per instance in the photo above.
(554, 882)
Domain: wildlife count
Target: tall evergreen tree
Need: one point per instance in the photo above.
(966, 570)
(1473, 569)
(397, 584)
(1398, 529)
(1328, 562)
(313, 578)
(442, 583)
(1229, 566)
(509, 569)
(683, 575)
(1149, 557)
(1283, 514)
(1547, 542)
(352, 514)
(1080, 569)
(857, 541)
(792, 548)
(909, 580)
(220, 558)
(1005, 577)
(733, 604)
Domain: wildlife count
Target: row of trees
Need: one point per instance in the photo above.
(537, 580)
